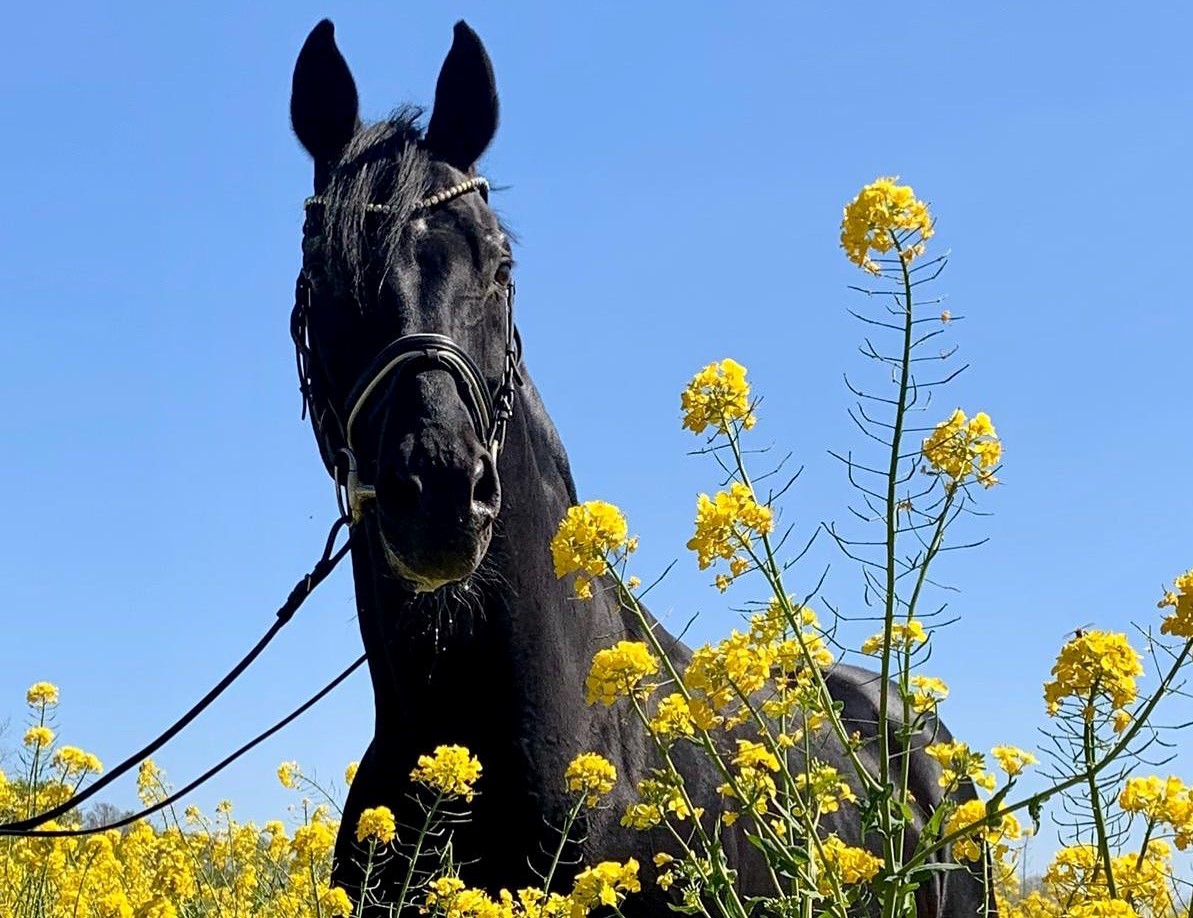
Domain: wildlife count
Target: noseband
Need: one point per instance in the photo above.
(489, 408)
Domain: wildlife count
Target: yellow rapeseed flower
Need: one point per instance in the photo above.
(1180, 600)
(350, 772)
(972, 814)
(618, 671)
(904, 636)
(927, 692)
(727, 524)
(74, 761)
(849, 865)
(377, 823)
(605, 884)
(591, 775)
(1012, 759)
(717, 396)
(657, 798)
(335, 902)
(1101, 662)
(451, 771)
(42, 693)
(587, 537)
(958, 761)
(1167, 801)
(672, 719)
(288, 775)
(962, 448)
(823, 789)
(314, 841)
(882, 214)
(36, 737)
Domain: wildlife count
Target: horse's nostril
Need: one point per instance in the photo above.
(486, 490)
(403, 494)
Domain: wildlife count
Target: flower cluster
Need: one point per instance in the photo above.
(451, 771)
(905, 636)
(1095, 664)
(1180, 599)
(718, 396)
(958, 762)
(971, 816)
(755, 785)
(672, 719)
(73, 762)
(605, 884)
(1163, 803)
(926, 693)
(1012, 759)
(591, 775)
(845, 864)
(962, 448)
(658, 798)
(884, 216)
(726, 525)
(42, 695)
(376, 823)
(589, 536)
(289, 774)
(618, 672)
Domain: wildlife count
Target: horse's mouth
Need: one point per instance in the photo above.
(426, 567)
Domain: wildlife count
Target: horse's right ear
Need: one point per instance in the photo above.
(323, 102)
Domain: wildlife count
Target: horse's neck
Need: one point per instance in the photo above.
(475, 666)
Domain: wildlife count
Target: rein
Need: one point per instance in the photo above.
(490, 410)
(323, 567)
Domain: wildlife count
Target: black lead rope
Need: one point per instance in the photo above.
(323, 567)
(210, 773)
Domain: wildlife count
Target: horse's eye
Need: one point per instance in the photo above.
(505, 273)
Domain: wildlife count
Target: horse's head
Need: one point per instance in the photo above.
(404, 314)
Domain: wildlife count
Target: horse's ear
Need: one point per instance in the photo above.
(323, 101)
(464, 118)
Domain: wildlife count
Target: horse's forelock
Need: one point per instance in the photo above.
(382, 164)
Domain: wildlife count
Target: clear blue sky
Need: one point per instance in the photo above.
(677, 176)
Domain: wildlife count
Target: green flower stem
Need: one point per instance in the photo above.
(933, 550)
(364, 883)
(315, 884)
(1089, 749)
(1147, 837)
(563, 838)
(890, 600)
(418, 849)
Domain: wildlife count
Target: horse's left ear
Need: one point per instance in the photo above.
(464, 118)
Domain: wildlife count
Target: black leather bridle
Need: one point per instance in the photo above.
(490, 408)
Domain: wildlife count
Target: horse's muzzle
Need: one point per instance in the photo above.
(436, 523)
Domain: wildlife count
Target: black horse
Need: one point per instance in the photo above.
(456, 477)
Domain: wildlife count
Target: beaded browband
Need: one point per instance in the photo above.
(478, 183)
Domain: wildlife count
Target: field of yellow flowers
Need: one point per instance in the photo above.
(765, 682)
